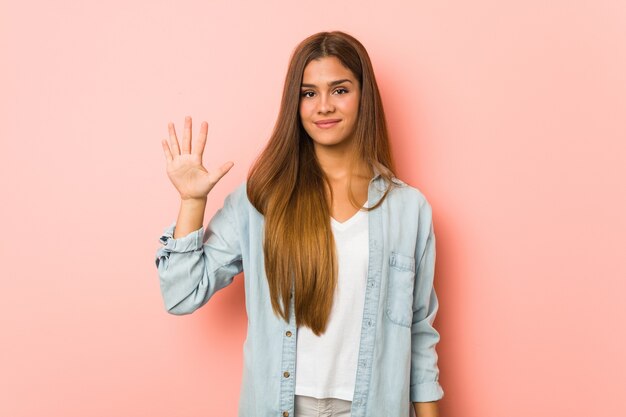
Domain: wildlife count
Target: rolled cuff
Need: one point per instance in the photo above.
(425, 392)
(188, 243)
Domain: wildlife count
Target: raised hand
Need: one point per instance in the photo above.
(185, 170)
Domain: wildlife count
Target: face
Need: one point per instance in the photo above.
(329, 102)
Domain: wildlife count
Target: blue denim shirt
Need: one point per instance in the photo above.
(397, 360)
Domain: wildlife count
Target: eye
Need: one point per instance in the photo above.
(307, 94)
(341, 90)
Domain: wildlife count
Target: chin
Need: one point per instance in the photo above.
(327, 142)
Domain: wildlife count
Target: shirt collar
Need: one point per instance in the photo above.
(377, 179)
(376, 173)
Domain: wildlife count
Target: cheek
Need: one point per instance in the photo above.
(352, 105)
(304, 109)
(303, 116)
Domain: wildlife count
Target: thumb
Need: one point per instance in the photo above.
(224, 169)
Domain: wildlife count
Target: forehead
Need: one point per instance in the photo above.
(322, 70)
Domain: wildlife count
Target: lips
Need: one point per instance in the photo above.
(327, 123)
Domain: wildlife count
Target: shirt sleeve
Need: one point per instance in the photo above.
(424, 370)
(190, 270)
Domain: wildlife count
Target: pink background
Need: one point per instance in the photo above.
(509, 117)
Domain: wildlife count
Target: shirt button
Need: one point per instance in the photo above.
(288, 333)
(285, 413)
(286, 374)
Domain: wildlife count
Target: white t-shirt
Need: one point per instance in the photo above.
(326, 365)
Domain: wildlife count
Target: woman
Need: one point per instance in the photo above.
(338, 254)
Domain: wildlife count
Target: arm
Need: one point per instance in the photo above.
(425, 387)
(190, 216)
(190, 270)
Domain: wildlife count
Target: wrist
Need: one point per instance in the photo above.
(191, 201)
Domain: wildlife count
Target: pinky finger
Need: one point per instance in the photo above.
(166, 150)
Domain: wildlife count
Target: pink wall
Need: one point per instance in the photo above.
(510, 118)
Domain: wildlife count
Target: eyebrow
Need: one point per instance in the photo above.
(330, 83)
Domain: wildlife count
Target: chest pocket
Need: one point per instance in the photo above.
(399, 303)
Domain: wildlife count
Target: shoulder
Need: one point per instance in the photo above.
(237, 202)
(409, 204)
(238, 195)
(237, 198)
(409, 196)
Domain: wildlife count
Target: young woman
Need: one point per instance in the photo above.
(338, 254)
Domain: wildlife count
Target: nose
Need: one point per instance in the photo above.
(325, 104)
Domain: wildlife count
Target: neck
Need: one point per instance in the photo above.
(335, 162)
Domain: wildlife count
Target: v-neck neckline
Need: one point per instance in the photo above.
(348, 222)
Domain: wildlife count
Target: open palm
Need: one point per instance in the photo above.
(185, 170)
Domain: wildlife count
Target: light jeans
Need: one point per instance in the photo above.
(321, 407)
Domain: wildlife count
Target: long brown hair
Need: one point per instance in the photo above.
(287, 185)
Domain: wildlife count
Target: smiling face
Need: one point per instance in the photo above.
(329, 102)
